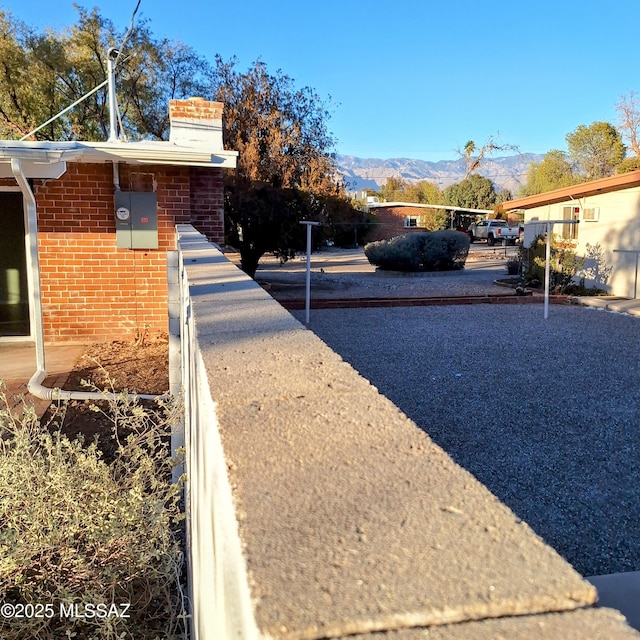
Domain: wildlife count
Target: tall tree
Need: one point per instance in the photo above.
(473, 160)
(596, 149)
(553, 172)
(424, 192)
(279, 129)
(394, 189)
(474, 192)
(628, 110)
(282, 136)
(41, 74)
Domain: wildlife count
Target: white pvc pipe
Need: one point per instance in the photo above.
(35, 386)
(33, 261)
(111, 77)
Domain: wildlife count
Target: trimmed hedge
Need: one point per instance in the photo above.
(420, 251)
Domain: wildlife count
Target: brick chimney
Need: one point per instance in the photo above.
(196, 122)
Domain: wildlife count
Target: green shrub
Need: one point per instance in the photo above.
(564, 263)
(79, 531)
(420, 251)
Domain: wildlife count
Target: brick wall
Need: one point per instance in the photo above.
(390, 222)
(207, 203)
(91, 290)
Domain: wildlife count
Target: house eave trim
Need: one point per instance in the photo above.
(582, 190)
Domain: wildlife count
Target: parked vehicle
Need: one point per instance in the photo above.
(493, 231)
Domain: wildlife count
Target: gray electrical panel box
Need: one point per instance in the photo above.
(136, 220)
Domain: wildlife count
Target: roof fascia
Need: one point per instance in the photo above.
(594, 187)
(163, 153)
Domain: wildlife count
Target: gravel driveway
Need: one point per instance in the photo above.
(545, 414)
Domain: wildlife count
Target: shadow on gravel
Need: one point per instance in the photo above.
(545, 414)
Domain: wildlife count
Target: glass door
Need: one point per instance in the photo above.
(14, 296)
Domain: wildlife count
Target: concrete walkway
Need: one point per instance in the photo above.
(18, 364)
(609, 303)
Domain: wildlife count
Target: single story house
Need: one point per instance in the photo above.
(397, 218)
(607, 233)
(87, 226)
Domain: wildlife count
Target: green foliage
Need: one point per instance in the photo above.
(43, 73)
(279, 129)
(514, 266)
(422, 192)
(261, 218)
(474, 192)
(79, 530)
(564, 264)
(628, 164)
(394, 190)
(554, 172)
(434, 219)
(596, 150)
(420, 251)
(345, 224)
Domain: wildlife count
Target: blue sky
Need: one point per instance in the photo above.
(415, 79)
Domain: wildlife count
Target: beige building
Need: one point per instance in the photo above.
(608, 231)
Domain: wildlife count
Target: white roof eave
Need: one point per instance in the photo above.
(165, 153)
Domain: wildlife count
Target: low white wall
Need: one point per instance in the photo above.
(317, 509)
(218, 587)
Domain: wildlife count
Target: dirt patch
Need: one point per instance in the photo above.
(115, 366)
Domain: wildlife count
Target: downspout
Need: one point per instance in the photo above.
(35, 386)
(33, 261)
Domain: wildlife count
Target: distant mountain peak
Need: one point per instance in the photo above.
(508, 172)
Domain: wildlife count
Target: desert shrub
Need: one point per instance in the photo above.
(420, 251)
(79, 531)
(564, 263)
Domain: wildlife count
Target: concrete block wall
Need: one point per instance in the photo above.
(340, 517)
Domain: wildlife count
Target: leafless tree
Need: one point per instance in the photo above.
(628, 110)
(474, 159)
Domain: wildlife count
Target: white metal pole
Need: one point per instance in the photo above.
(307, 303)
(113, 105)
(547, 270)
(308, 287)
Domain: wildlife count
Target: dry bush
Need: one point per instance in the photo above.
(79, 531)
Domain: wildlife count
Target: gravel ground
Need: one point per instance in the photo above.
(348, 273)
(545, 414)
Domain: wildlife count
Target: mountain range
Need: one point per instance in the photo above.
(508, 172)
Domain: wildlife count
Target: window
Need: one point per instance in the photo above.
(591, 214)
(411, 221)
(570, 231)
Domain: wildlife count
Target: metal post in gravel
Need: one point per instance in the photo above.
(547, 266)
(309, 224)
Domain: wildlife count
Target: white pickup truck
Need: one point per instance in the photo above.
(493, 231)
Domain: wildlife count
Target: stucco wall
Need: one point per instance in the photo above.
(617, 227)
